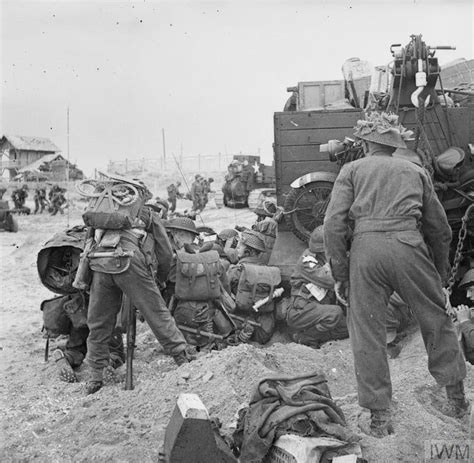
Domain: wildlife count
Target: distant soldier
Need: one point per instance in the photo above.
(206, 189)
(19, 196)
(40, 199)
(173, 195)
(57, 201)
(54, 189)
(2, 191)
(197, 192)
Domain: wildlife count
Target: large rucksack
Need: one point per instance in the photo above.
(114, 203)
(197, 276)
(256, 282)
(58, 260)
(62, 313)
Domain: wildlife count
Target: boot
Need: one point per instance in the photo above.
(188, 354)
(458, 405)
(66, 373)
(381, 423)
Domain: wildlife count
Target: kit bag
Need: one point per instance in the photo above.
(197, 276)
(114, 206)
(62, 313)
(256, 282)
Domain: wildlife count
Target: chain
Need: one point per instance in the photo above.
(458, 255)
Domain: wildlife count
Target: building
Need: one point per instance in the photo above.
(18, 152)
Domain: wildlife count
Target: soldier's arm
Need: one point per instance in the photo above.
(436, 229)
(336, 225)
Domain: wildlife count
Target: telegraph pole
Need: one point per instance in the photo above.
(164, 148)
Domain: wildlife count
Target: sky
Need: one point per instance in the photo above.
(211, 74)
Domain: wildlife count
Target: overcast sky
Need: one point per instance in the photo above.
(210, 73)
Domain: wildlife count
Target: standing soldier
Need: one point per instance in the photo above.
(146, 254)
(196, 193)
(173, 195)
(19, 196)
(40, 199)
(57, 201)
(393, 206)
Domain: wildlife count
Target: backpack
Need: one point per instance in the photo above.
(197, 276)
(256, 282)
(114, 205)
(62, 313)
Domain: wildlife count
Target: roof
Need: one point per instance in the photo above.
(21, 142)
(35, 166)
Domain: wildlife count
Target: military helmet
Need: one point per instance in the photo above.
(467, 279)
(182, 223)
(316, 240)
(253, 239)
(227, 233)
(267, 208)
(24, 187)
(384, 129)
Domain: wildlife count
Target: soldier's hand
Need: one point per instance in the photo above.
(341, 288)
(462, 312)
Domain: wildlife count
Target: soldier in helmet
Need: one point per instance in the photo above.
(251, 250)
(197, 192)
(173, 195)
(19, 196)
(396, 215)
(464, 316)
(160, 206)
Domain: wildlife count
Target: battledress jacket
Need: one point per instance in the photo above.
(384, 194)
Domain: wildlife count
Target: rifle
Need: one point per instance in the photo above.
(83, 274)
(131, 337)
(201, 332)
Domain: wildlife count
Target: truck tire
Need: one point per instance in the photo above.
(219, 199)
(256, 196)
(306, 206)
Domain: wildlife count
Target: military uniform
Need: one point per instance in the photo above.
(173, 194)
(137, 281)
(197, 193)
(394, 209)
(19, 196)
(57, 200)
(40, 200)
(314, 317)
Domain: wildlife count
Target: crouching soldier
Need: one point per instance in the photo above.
(250, 282)
(313, 315)
(67, 315)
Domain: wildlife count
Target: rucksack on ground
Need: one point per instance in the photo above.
(197, 276)
(256, 282)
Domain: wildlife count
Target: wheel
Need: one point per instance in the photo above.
(257, 196)
(219, 199)
(306, 206)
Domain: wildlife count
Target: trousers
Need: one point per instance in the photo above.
(380, 263)
(313, 323)
(104, 304)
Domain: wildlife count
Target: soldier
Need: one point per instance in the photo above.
(228, 239)
(196, 193)
(40, 199)
(206, 189)
(173, 195)
(57, 201)
(2, 191)
(393, 207)
(251, 250)
(268, 216)
(161, 207)
(148, 251)
(313, 315)
(19, 196)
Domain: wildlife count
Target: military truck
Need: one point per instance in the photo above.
(328, 110)
(247, 181)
